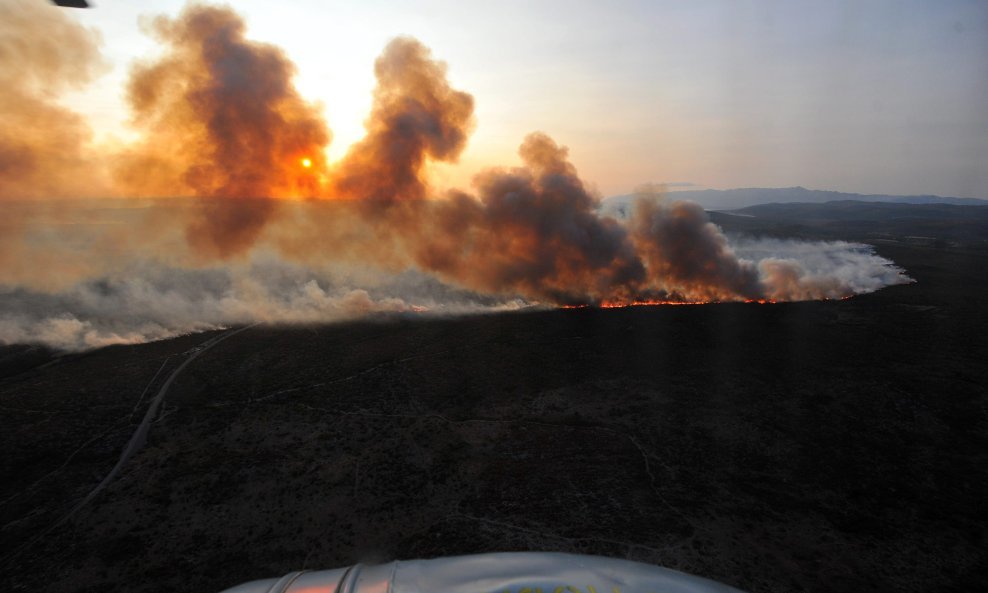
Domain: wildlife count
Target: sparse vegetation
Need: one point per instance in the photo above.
(820, 446)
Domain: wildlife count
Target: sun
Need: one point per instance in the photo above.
(306, 162)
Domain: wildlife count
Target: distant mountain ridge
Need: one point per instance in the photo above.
(733, 199)
(861, 210)
(937, 225)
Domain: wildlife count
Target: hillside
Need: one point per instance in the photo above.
(821, 446)
(733, 199)
(927, 224)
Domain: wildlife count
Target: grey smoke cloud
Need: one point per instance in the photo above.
(687, 255)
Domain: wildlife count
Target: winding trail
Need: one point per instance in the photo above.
(140, 436)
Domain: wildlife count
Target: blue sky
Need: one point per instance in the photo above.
(873, 97)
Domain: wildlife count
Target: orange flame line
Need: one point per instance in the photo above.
(652, 303)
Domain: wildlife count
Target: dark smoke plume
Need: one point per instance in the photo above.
(416, 116)
(687, 256)
(533, 231)
(222, 119)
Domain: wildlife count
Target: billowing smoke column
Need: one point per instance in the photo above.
(416, 116)
(222, 122)
(222, 119)
(533, 231)
(687, 256)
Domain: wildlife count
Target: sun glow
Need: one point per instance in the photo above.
(306, 162)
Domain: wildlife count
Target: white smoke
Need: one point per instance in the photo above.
(807, 270)
(153, 301)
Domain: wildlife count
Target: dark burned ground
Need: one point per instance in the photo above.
(834, 446)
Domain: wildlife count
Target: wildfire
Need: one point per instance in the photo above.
(648, 303)
(306, 162)
(658, 303)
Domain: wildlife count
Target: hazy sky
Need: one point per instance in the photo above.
(873, 97)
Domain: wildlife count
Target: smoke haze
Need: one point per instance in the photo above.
(258, 226)
(149, 301)
(43, 53)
